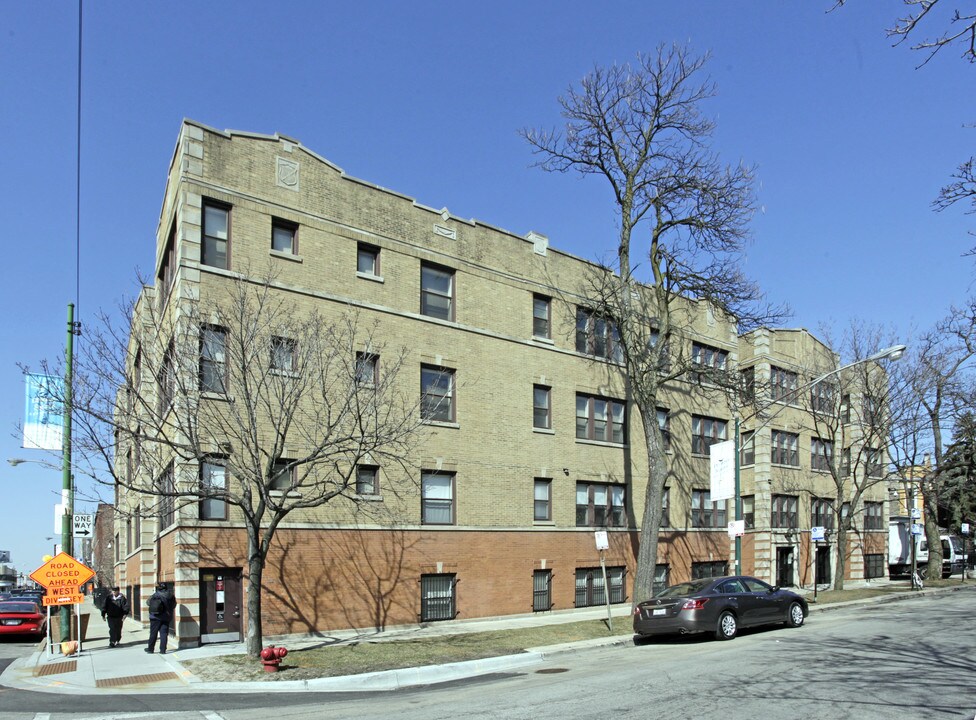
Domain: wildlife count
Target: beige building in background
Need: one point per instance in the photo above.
(534, 449)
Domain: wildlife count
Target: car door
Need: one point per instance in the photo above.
(766, 602)
(735, 596)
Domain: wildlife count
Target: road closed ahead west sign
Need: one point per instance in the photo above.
(61, 572)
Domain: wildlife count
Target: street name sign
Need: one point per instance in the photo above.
(73, 599)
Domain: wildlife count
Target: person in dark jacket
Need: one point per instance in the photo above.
(162, 609)
(114, 609)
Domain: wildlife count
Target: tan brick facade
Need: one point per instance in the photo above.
(336, 566)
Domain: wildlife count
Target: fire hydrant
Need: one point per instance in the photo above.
(271, 656)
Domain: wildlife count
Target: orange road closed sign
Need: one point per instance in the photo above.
(62, 571)
(63, 599)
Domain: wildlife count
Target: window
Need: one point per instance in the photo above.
(709, 569)
(284, 354)
(786, 448)
(747, 379)
(137, 527)
(600, 419)
(167, 270)
(436, 292)
(782, 384)
(821, 454)
(542, 503)
(590, 589)
(128, 536)
(709, 357)
(705, 432)
(213, 484)
(600, 505)
(166, 380)
(367, 369)
(822, 397)
(874, 566)
(664, 424)
(597, 335)
(873, 516)
(541, 415)
(282, 476)
(213, 359)
(436, 394)
(367, 480)
(368, 260)
(872, 410)
(747, 448)
(666, 507)
(749, 511)
(845, 462)
(845, 408)
(541, 590)
(705, 513)
(284, 236)
(167, 489)
(822, 513)
(216, 235)
(662, 573)
(872, 463)
(784, 513)
(437, 498)
(541, 316)
(437, 598)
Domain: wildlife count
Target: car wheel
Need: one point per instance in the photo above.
(794, 615)
(727, 626)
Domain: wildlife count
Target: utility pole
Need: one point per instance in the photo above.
(67, 484)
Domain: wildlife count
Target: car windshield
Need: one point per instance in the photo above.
(684, 589)
(17, 607)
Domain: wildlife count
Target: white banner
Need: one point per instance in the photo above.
(44, 412)
(723, 470)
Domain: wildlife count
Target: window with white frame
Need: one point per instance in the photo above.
(542, 500)
(368, 260)
(822, 513)
(213, 485)
(284, 236)
(436, 292)
(437, 394)
(749, 511)
(541, 317)
(437, 498)
(873, 516)
(284, 354)
(600, 505)
(784, 511)
(367, 369)
(215, 248)
(541, 411)
(367, 480)
(597, 335)
(664, 425)
(213, 359)
(709, 357)
(747, 448)
(821, 454)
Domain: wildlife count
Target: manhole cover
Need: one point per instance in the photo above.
(551, 671)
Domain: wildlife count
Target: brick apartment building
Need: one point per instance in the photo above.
(530, 448)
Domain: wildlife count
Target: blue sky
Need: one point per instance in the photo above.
(851, 142)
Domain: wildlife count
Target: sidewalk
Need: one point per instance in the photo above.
(127, 668)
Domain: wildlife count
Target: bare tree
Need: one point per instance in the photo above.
(640, 128)
(241, 406)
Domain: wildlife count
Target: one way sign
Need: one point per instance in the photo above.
(83, 525)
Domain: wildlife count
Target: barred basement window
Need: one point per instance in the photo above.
(874, 566)
(541, 590)
(591, 591)
(709, 569)
(438, 600)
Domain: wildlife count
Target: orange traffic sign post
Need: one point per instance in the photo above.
(62, 576)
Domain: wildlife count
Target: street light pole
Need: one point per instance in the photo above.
(891, 353)
(67, 486)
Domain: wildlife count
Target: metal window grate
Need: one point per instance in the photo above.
(437, 601)
(541, 590)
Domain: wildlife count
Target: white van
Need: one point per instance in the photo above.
(952, 554)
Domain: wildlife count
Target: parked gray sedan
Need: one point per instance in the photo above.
(719, 605)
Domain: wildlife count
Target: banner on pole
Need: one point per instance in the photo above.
(44, 412)
(722, 486)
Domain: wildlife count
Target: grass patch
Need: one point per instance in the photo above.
(393, 654)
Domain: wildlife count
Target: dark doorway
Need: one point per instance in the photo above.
(823, 566)
(220, 605)
(784, 567)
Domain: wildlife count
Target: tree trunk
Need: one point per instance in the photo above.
(840, 567)
(651, 523)
(931, 503)
(255, 569)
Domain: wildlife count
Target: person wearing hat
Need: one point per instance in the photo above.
(114, 610)
(162, 608)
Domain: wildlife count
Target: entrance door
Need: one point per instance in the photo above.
(220, 605)
(784, 566)
(823, 566)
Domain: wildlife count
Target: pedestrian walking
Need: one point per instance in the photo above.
(114, 609)
(162, 609)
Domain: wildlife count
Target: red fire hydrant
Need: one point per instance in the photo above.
(271, 656)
